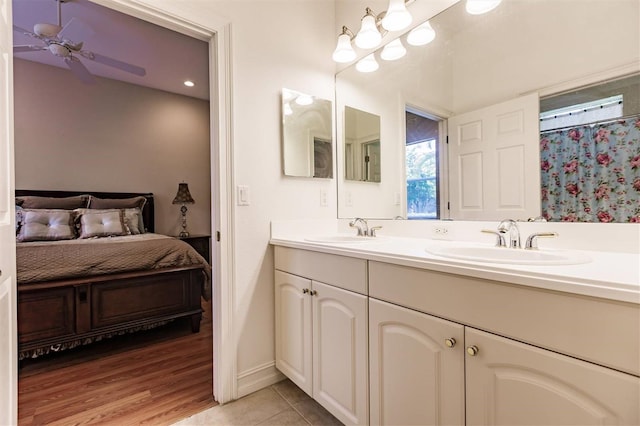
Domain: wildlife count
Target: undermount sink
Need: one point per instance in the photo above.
(491, 254)
(339, 239)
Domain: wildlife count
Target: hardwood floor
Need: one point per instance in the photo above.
(156, 377)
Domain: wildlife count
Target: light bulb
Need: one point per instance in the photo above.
(478, 7)
(368, 37)
(367, 64)
(397, 17)
(344, 51)
(421, 35)
(394, 50)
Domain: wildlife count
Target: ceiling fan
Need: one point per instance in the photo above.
(56, 41)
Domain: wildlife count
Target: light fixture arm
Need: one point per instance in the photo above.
(347, 31)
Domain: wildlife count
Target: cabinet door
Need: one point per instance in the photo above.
(340, 367)
(293, 329)
(511, 383)
(416, 379)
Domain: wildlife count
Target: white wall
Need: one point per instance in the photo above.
(112, 136)
(275, 44)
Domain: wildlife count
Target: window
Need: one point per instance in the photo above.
(421, 165)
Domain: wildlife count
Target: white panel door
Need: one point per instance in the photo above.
(511, 383)
(416, 379)
(8, 317)
(340, 367)
(494, 161)
(293, 329)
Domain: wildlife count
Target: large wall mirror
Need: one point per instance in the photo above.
(522, 59)
(307, 142)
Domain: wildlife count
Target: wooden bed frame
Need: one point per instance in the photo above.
(56, 315)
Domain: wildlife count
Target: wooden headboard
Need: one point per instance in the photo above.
(147, 213)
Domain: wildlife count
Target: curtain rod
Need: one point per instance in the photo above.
(626, 117)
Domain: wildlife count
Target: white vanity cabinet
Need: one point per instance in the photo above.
(321, 329)
(512, 383)
(417, 367)
(499, 380)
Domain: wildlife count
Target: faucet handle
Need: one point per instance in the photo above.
(500, 241)
(373, 229)
(532, 240)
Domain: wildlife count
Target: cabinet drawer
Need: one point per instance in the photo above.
(602, 331)
(345, 272)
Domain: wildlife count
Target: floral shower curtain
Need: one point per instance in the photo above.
(592, 173)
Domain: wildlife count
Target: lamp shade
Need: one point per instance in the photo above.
(183, 196)
(397, 17)
(367, 64)
(421, 35)
(368, 37)
(478, 7)
(394, 50)
(344, 51)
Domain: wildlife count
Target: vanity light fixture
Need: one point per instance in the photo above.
(421, 35)
(397, 17)
(369, 36)
(344, 51)
(367, 64)
(189, 83)
(373, 28)
(394, 50)
(478, 7)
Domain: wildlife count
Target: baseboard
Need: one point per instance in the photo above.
(258, 378)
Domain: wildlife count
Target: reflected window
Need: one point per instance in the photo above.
(421, 164)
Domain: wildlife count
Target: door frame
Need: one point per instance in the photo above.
(218, 34)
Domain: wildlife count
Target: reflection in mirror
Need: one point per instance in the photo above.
(307, 142)
(475, 63)
(361, 145)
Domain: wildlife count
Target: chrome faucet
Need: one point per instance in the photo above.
(361, 225)
(510, 226)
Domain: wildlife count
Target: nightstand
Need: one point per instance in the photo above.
(201, 243)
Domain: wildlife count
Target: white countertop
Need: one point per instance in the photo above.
(610, 275)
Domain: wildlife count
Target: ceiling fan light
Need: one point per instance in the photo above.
(421, 35)
(367, 64)
(368, 37)
(397, 17)
(344, 51)
(478, 7)
(47, 30)
(59, 50)
(394, 50)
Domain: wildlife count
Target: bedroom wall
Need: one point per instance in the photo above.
(112, 136)
(275, 44)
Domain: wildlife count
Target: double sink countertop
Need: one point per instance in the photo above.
(602, 274)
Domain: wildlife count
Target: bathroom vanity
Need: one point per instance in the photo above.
(382, 332)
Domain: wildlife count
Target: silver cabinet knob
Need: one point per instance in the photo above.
(473, 350)
(305, 290)
(450, 342)
(313, 292)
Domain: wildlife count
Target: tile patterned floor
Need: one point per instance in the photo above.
(281, 404)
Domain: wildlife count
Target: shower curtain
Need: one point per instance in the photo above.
(591, 173)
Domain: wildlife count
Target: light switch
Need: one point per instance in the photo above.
(242, 195)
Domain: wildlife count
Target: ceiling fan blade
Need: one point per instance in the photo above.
(23, 31)
(124, 66)
(28, 48)
(76, 30)
(79, 70)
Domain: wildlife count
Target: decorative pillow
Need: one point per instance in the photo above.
(101, 223)
(18, 218)
(117, 203)
(66, 203)
(132, 218)
(46, 225)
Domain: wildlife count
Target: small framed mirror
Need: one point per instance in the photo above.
(361, 145)
(307, 135)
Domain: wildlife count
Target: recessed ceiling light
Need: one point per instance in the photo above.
(189, 83)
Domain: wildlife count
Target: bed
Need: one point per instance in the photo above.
(114, 275)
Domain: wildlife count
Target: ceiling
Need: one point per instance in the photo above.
(169, 57)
